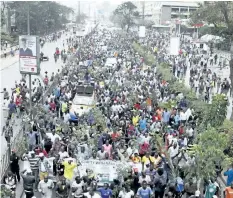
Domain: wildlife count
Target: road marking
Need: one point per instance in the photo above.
(8, 66)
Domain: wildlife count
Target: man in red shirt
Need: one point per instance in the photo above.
(144, 148)
(115, 136)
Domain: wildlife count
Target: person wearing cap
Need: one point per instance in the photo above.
(43, 166)
(28, 182)
(25, 51)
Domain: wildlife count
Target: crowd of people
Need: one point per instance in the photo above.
(128, 125)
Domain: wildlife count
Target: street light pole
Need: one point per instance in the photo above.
(30, 76)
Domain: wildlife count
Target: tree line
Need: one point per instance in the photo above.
(45, 16)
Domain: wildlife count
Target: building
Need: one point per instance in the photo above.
(162, 12)
(173, 10)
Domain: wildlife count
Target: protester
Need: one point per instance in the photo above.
(117, 121)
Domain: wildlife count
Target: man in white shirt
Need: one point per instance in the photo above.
(126, 193)
(173, 150)
(91, 194)
(182, 116)
(63, 154)
(53, 136)
(67, 117)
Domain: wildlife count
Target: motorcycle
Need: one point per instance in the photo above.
(44, 58)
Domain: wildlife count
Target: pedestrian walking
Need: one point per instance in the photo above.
(14, 165)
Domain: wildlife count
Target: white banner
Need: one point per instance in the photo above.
(174, 46)
(105, 170)
(29, 54)
(142, 31)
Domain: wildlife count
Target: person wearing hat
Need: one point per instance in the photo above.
(24, 50)
(28, 182)
(43, 166)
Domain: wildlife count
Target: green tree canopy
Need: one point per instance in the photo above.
(218, 13)
(209, 152)
(45, 16)
(124, 15)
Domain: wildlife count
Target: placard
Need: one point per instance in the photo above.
(142, 31)
(29, 55)
(174, 46)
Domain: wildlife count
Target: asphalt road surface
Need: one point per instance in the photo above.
(10, 73)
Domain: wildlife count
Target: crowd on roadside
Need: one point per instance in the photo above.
(129, 99)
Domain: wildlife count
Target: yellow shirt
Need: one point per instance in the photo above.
(136, 159)
(135, 120)
(17, 90)
(147, 160)
(64, 107)
(101, 83)
(156, 161)
(69, 170)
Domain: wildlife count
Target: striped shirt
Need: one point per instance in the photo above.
(34, 163)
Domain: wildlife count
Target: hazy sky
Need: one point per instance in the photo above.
(74, 4)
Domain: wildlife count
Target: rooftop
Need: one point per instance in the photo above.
(179, 3)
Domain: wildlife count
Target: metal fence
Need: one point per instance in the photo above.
(18, 143)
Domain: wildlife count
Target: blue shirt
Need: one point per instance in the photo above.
(57, 92)
(144, 193)
(166, 116)
(73, 117)
(12, 107)
(177, 119)
(229, 175)
(105, 193)
(142, 124)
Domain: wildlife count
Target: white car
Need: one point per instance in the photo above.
(84, 100)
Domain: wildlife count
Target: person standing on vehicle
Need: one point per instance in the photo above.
(28, 183)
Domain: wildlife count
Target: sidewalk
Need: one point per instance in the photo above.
(19, 188)
(8, 50)
(9, 61)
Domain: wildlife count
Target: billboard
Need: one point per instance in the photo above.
(174, 46)
(29, 55)
(142, 31)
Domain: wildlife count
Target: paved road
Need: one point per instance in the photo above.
(224, 73)
(10, 73)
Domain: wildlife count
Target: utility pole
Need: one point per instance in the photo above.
(79, 9)
(30, 76)
(143, 12)
(89, 10)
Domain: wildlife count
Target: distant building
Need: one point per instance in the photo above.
(162, 12)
